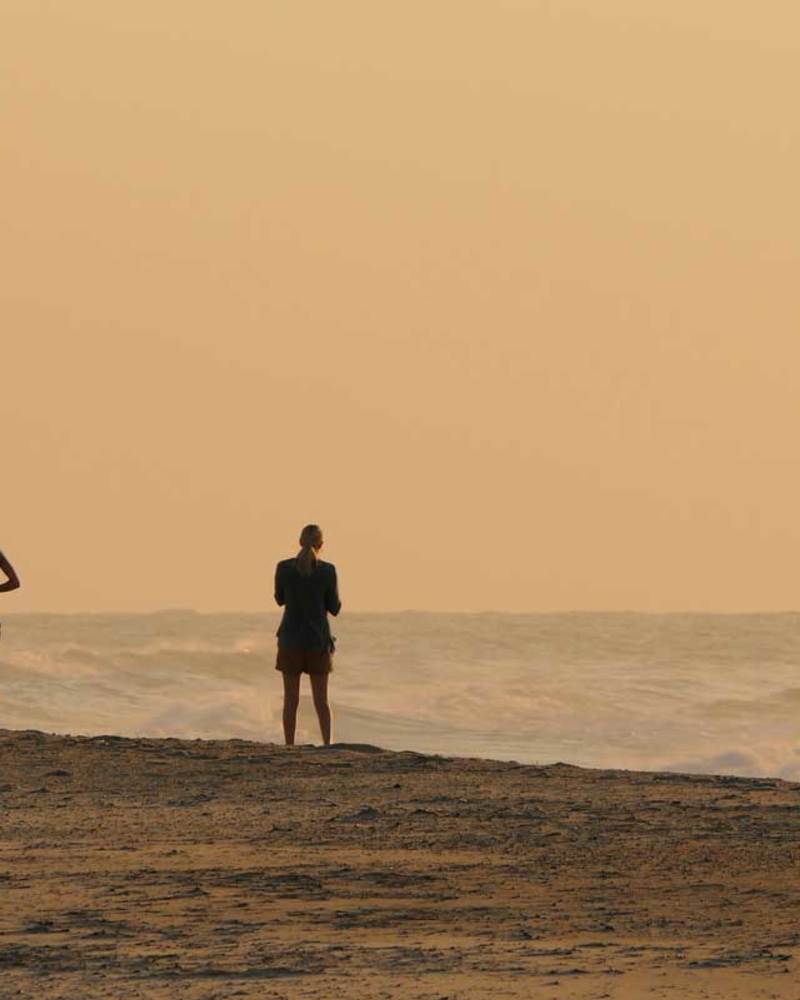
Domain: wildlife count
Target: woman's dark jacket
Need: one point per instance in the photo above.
(307, 601)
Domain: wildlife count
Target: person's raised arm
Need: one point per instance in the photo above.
(13, 580)
(280, 595)
(332, 602)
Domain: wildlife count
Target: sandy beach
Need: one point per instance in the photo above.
(215, 869)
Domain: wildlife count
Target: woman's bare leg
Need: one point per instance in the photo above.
(319, 689)
(291, 699)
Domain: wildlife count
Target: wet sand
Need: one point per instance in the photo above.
(213, 869)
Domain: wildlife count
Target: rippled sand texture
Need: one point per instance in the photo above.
(165, 868)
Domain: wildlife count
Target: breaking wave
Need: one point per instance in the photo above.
(698, 693)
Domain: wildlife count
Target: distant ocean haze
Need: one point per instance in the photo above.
(691, 692)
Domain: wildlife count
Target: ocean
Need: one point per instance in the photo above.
(703, 693)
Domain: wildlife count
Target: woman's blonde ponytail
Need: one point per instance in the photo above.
(310, 541)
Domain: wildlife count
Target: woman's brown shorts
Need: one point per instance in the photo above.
(309, 661)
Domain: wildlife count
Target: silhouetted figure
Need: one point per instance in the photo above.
(12, 581)
(306, 588)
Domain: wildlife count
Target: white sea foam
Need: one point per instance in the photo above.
(703, 693)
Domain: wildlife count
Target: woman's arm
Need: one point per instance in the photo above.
(280, 594)
(13, 580)
(332, 602)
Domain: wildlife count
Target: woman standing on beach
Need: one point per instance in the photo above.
(306, 588)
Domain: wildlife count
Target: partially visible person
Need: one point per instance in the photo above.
(12, 580)
(307, 589)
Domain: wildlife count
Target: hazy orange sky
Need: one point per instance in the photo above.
(503, 294)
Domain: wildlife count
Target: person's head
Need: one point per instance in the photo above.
(310, 544)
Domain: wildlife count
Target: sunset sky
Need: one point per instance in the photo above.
(503, 294)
